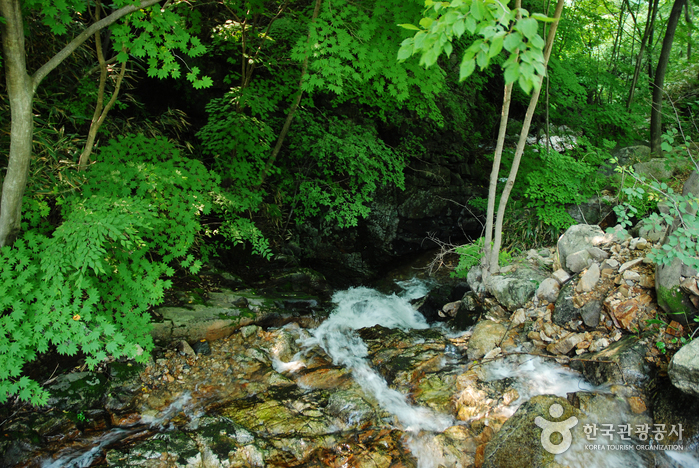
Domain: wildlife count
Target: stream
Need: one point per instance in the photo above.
(372, 385)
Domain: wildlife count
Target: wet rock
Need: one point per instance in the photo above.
(684, 368)
(672, 406)
(622, 362)
(172, 449)
(469, 312)
(432, 304)
(516, 444)
(351, 408)
(567, 344)
(77, 391)
(486, 336)
(323, 378)
(123, 386)
(202, 347)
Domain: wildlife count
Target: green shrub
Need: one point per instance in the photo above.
(559, 180)
(470, 255)
(88, 286)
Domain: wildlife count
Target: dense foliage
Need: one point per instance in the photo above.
(278, 113)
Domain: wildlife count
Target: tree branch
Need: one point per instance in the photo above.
(56, 60)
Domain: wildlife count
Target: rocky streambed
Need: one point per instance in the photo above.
(250, 380)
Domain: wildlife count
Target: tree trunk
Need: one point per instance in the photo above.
(652, 12)
(521, 144)
(690, 24)
(656, 111)
(294, 106)
(20, 92)
(487, 267)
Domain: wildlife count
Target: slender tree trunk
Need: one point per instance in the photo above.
(652, 12)
(690, 24)
(20, 91)
(656, 112)
(521, 144)
(487, 267)
(101, 110)
(294, 106)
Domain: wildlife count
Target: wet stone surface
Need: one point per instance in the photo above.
(272, 396)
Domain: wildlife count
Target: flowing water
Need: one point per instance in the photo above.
(361, 308)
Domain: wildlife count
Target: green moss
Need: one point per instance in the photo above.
(672, 300)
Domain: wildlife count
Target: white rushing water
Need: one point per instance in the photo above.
(358, 308)
(363, 308)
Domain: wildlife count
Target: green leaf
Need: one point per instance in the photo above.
(496, 45)
(459, 28)
(512, 42)
(409, 26)
(482, 60)
(541, 17)
(426, 22)
(467, 68)
(478, 9)
(528, 27)
(512, 73)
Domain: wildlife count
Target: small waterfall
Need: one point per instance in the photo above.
(361, 307)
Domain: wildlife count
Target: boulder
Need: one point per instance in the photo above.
(593, 211)
(654, 169)
(676, 303)
(519, 442)
(577, 238)
(621, 363)
(684, 368)
(513, 289)
(512, 293)
(486, 336)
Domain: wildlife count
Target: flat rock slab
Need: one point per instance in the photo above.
(224, 313)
